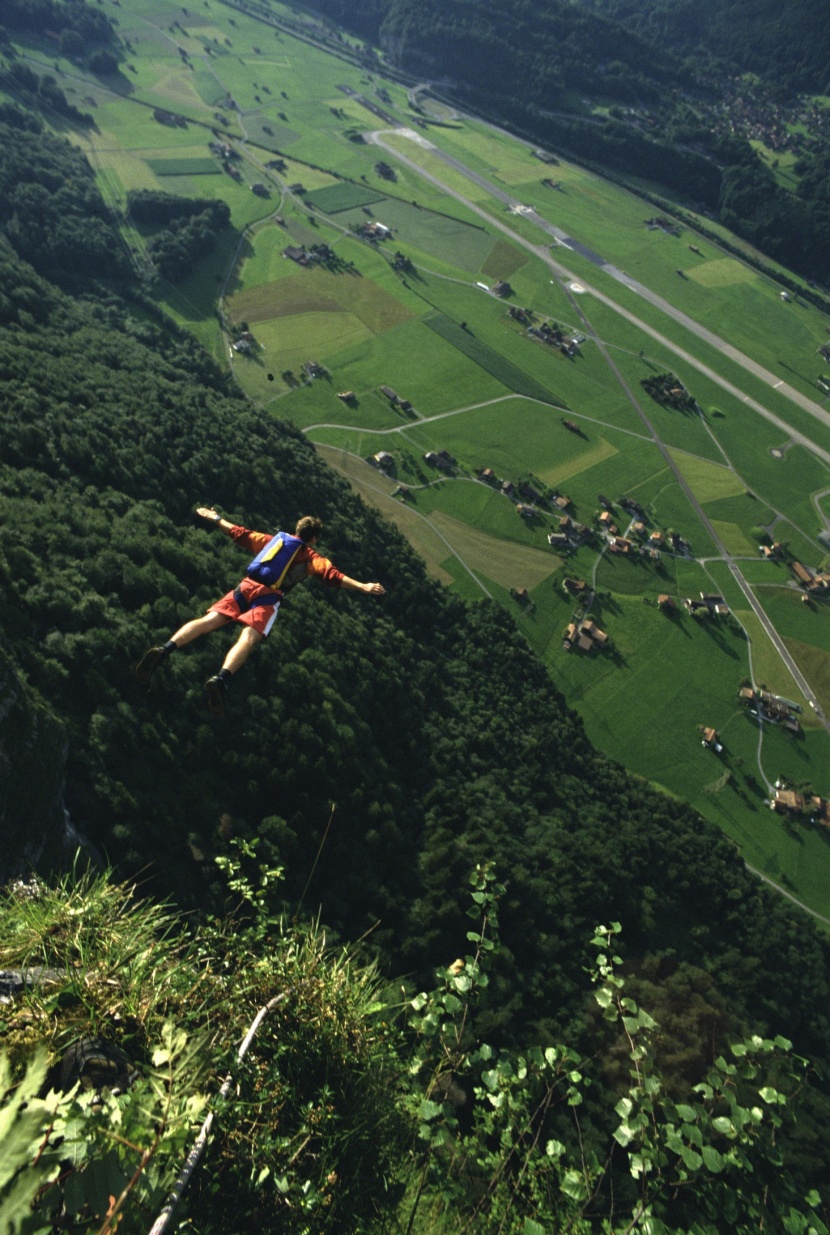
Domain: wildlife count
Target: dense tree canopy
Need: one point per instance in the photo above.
(788, 44)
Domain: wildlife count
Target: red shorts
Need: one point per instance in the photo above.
(261, 617)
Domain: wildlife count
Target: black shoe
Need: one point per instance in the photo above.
(216, 688)
(148, 664)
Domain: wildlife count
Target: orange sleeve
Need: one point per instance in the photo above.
(322, 568)
(252, 541)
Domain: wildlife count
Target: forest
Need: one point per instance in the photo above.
(786, 45)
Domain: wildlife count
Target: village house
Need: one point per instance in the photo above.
(656, 539)
(593, 631)
(558, 540)
(587, 637)
(606, 518)
(440, 459)
(296, 254)
(390, 393)
(802, 574)
(375, 230)
(562, 501)
(382, 460)
(314, 369)
(710, 739)
(665, 602)
(574, 586)
(638, 528)
(769, 707)
(348, 396)
(820, 811)
(787, 800)
(619, 544)
(527, 512)
(488, 475)
(508, 488)
(572, 425)
(502, 288)
(565, 523)
(605, 502)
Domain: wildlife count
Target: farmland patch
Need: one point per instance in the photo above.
(317, 291)
(734, 538)
(288, 342)
(557, 475)
(490, 360)
(184, 167)
(510, 565)
(721, 272)
(337, 197)
(814, 663)
(503, 260)
(709, 480)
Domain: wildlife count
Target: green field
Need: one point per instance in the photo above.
(184, 167)
(494, 396)
(338, 197)
(489, 359)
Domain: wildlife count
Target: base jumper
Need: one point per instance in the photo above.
(281, 562)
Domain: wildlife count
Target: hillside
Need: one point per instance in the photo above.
(428, 722)
(786, 45)
(380, 751)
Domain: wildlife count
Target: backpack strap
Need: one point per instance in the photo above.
(245, 605)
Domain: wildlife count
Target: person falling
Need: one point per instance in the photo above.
(281, 562)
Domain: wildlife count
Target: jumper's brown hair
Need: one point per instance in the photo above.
(308, 527)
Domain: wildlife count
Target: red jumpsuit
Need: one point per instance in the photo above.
(262, 616)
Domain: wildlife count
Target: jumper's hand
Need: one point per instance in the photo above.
(207, 512)
(374, 589)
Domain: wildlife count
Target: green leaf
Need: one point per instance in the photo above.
(624, 1134)
(723, 1125)
(555, 1149)
(573, 1185)
(691, 1159)
(771, 1096)
(532, 1228)
(686, 1113)
(713, 1160)
(429, 1110)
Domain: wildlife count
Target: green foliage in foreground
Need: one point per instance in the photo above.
(338, 1121)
